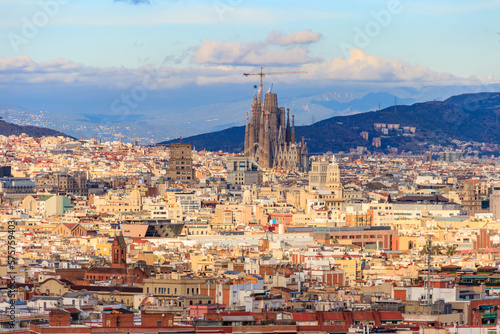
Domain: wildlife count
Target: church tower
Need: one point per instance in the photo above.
(335, 199)
(269, 137)
(135, 198)
(247, 137)
(333, 180)
(119, 252)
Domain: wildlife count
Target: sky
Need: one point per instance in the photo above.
(71, 49)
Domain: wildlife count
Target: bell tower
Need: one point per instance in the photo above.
(333, 180)
(119, 252)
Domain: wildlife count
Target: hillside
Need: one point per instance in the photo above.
(466, 117)
(9, 129)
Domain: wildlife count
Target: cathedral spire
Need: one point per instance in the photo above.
(267, 145)
(268, 133)
(262, 126)
(251, 135)
(288, 134)
(247, 139)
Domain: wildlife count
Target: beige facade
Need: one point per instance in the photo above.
(176, 286)
(181, 163)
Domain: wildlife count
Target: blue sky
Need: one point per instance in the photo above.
(107, 44)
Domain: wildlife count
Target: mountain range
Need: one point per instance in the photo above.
(195, 110)
(463, 118)
(9, 129)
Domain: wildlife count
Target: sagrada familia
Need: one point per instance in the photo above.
(270, 139)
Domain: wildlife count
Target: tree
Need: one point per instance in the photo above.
(435, 250)
(450, 250)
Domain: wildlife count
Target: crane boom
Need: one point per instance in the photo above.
(262, 75)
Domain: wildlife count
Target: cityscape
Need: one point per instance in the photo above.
(206, 167)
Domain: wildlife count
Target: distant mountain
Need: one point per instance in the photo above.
(9, 129)
(195, 109)
(466, 117)
(371, 101)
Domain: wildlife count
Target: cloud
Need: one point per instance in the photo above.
(213, 52)
(364, 67)
(135, 2)
(277, 49)
(225, 63)
(301, 37)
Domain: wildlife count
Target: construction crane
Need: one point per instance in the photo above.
(262, 75)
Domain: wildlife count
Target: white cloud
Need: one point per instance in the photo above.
(364, 67)
(278, 49)
(301, 37)
(359, 68)
(213, 52)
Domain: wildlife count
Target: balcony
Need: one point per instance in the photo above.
(489, 315)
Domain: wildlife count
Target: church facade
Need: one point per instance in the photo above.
(270, 138)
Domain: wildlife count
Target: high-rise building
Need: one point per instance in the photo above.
(495, 202)
(450, 156)
(270, 138)
(333, 192)
(318, 174)
(243, 170)
(471, 198)
(181, 163)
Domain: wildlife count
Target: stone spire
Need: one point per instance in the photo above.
(245, 150)
(267, 146)
(261, 130)
(288, 134)
(282, 124)
(251, 134)
(293, 129)
(257, 111)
